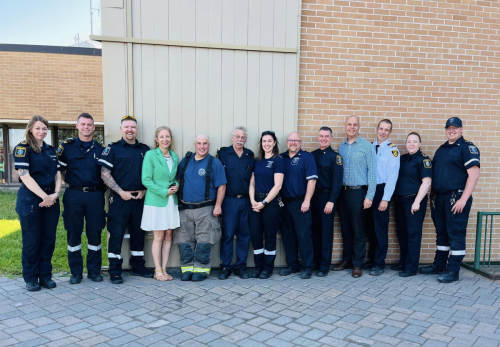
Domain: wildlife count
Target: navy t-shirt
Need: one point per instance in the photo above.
(264, 171)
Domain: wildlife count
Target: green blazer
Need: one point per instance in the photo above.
(156, 177)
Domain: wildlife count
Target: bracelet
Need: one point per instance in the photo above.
(57, 193)
(46, 196)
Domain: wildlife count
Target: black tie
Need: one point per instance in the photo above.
(376, 148)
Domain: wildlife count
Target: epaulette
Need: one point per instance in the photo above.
(424, 155)
(24, 142)
(69, 140)
(392, 145)
(335, 151)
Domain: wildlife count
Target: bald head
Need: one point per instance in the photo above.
(202, 146)
(352, 128)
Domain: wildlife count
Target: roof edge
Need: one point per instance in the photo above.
(50, 49)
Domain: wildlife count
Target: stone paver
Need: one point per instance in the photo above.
(336, 310)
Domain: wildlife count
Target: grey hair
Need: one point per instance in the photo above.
(241, 127)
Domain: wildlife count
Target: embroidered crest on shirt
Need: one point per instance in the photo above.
(201, 172)
(395, 153)
(473, 150)
(295, 161)
(339, 160)
(427, 163)
(60, 149)
(106, 150)
(20, 151)
(270, 164)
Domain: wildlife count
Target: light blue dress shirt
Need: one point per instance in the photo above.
(387, 167)
(360, 165)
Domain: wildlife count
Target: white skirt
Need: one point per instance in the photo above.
(160, 218)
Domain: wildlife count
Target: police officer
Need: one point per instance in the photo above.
(37, 203)
(83, 199)
(456, 172)
(121, 171)
(414, 181)
(330, 174)
(298, 188)
(238, 162)
(201, 192)
(377, 217)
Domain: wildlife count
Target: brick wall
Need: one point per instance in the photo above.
(415, 62)
(57, 86)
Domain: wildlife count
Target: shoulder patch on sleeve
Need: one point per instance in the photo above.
(338, 160)
(473, 149)
(395, 153)
(60, 150)
(427, 163)
(20, 151)
(106, 150)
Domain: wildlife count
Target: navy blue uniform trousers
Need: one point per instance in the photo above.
(79, 205)
(409, 230)
(377, 229)
(322, 231)
(122, 215)
(297, 237)
(451, 230)
(38, 225)
(235, 222)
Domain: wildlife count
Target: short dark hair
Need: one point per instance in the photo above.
(85, 115)
(416, 134)
(385, 121)
(326, 129)
(276, 150)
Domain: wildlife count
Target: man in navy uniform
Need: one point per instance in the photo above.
(121, 171)
(83, 199)
(456, 172)
(330, 175)
(377, 216)
(202, 185)
(238, 162)
(298, 188)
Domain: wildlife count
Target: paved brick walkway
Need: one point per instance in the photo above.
(282, 311)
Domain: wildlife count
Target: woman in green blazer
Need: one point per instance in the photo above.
(161, 214)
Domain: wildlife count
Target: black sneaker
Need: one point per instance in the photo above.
(448, 276)
(321, 273)
(33, 286)
(407, 273)
(306, 274)
(95, 277)
(255, 273)
(49, 284)
(264, 275)
(116, 279)
(75, 279)
(287, 271)
(242, 272)
(225, 273)
(431, 269)
(186, 276)
(376, 271)
(143, 273)
(199, 276)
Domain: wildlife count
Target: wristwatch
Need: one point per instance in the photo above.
(264, 202)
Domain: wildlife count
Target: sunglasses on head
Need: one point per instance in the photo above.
(267, 132)
(129, 117)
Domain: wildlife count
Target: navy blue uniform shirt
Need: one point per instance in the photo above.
(125, 163)
(413, 169)
(330, 171)
(79, 159)
(451, 163)
(298, 171)
(238, 169)
(42, 166)
(264, 170)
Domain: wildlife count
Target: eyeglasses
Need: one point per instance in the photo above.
(239, 137)
(267, 132)
(294, 141)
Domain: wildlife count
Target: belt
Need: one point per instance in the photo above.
(353, 187)
(407, 196)
(322, 190)
(241, 196)
(456, 191)
(87, 189)
(297, 198)
(187, 206)
(50, 189)
(261, 195)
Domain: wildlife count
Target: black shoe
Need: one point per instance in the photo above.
(225, 273)
(287, 271)
(398, 267)
(75, 279)
(264, 275)
(431, 269)
(33, 286)
(116, 279)
(376, 271)
(186, 276)
(448, 276)
(256, 273)
(95, 277)
(199, 276)
(143, 273)
(306, 274)
(242, 272)
(407, 273)
(367, 266)
(322, 273)
(49, 284)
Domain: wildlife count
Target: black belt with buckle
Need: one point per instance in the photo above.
(46, 189)
(241, 196)
(86, 189)
(353, 187)
(187, 206)
(297, 198)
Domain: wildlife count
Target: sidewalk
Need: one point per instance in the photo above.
(336, 310)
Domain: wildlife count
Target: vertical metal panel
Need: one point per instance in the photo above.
(161, 91)
(161, 19)
(188, 76)
(202, 67)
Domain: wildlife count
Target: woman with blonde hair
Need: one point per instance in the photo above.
(161, 214)
(37, 203)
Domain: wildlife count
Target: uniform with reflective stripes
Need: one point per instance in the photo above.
(451, 163)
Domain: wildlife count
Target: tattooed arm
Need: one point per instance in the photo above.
(111, 183)
(30, 183)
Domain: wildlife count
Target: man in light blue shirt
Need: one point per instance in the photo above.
(358, 190)
(377, 217)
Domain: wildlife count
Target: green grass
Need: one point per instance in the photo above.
(11, 240)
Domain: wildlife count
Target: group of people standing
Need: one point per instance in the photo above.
(181, 201)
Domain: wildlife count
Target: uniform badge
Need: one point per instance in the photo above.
(106, 150)
(395, 153)
(201, 172)
(60, 149)
(270, 164)
(339, 160)
(473, 150)
(20, 152)
(427, 163)
(295, 161)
